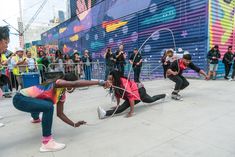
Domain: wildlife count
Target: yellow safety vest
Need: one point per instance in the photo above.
(16, 69)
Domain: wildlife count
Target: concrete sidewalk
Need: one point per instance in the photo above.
(200, 126)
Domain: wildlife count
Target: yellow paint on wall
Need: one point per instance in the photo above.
(74, 38)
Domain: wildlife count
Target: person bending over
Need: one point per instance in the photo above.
(41, 98)
(128, 90)
(175, 71)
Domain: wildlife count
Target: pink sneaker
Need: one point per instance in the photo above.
(36, 121)
(52, 146)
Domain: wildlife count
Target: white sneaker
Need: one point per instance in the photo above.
(177, 97)
(166, 98)
(101, 113)
(52, 146)
(231, 79)
(1, 125)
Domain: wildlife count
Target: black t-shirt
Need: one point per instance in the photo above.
(213, 53)
(120, 59)
(176, 65)
(228, 58)
(137, 58)
(109, 58)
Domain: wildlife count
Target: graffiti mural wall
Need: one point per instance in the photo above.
(221, 26)
(152, 25)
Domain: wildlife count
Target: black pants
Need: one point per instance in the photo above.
(121, 68)
(227, 69)
(14, 83)
(165, 67)
(137, 70)
(233, 74)
(42, 73)
(180, 81)
(143, 96)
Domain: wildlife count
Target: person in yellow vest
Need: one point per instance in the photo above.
(20, 65)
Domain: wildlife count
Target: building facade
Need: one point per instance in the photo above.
(150, 25)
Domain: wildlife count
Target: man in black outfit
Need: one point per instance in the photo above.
(109, 61)
(175, 71)
(136, 62)
(228, 61)
(120, 59)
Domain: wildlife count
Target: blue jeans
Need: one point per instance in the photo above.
(87, 70)
(35, 106)
(5, 88)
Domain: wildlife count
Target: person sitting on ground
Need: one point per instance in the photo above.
(130, 91)
(175, 71)
(41, 98)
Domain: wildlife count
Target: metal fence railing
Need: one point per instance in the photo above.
(13, 79)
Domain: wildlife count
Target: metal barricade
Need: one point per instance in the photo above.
(11, 79)
(149, 71)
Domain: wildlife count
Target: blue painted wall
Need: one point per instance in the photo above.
(132, 22)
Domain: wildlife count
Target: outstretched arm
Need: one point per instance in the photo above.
(78, 83)
(202, 72)
(63, 117)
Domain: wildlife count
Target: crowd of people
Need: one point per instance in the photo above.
(13, 65)
(118, 61)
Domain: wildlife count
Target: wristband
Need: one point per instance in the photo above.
(101, 82)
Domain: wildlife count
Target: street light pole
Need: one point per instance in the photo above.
(21, 26)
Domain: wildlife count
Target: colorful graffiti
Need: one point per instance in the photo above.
(221, 26)
(105, 25)
(167, 14)
(110, 26)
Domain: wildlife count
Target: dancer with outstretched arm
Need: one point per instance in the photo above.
(175, 71)
(41, 98)
(130, 91)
